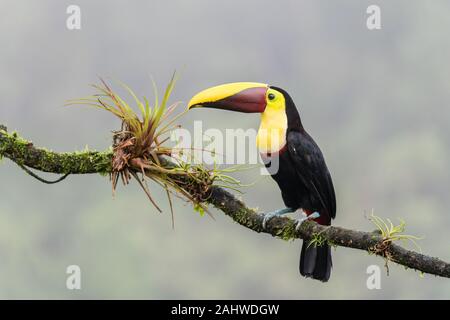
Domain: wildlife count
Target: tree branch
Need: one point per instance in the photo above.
(24, 153)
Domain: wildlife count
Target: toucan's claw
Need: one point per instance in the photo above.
(299, 221)
(275, 213)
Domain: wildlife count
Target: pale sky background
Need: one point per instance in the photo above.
(377, 103)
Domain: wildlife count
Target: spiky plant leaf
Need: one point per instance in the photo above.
(140, 144)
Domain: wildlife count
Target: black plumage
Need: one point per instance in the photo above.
(305, 182)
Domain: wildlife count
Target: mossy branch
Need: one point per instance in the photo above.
(24, 153)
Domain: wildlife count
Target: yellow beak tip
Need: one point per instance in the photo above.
(191, 105)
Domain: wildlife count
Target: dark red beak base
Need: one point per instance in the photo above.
(252, 100)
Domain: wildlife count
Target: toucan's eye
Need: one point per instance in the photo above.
(271, 96)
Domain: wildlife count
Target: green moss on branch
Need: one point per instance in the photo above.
(23, 152)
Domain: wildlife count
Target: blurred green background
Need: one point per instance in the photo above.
(377, 102)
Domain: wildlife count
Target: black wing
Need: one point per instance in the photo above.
(311, 168)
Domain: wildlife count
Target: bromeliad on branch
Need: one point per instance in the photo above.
(140, 148)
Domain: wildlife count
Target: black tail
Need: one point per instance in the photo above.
(315, 261)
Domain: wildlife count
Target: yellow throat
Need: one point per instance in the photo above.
(271, 136)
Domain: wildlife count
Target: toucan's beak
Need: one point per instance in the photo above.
(249, 97)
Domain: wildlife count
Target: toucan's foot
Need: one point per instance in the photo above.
(304, 217)
(275, 213)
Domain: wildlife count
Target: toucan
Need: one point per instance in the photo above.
(301, 173)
